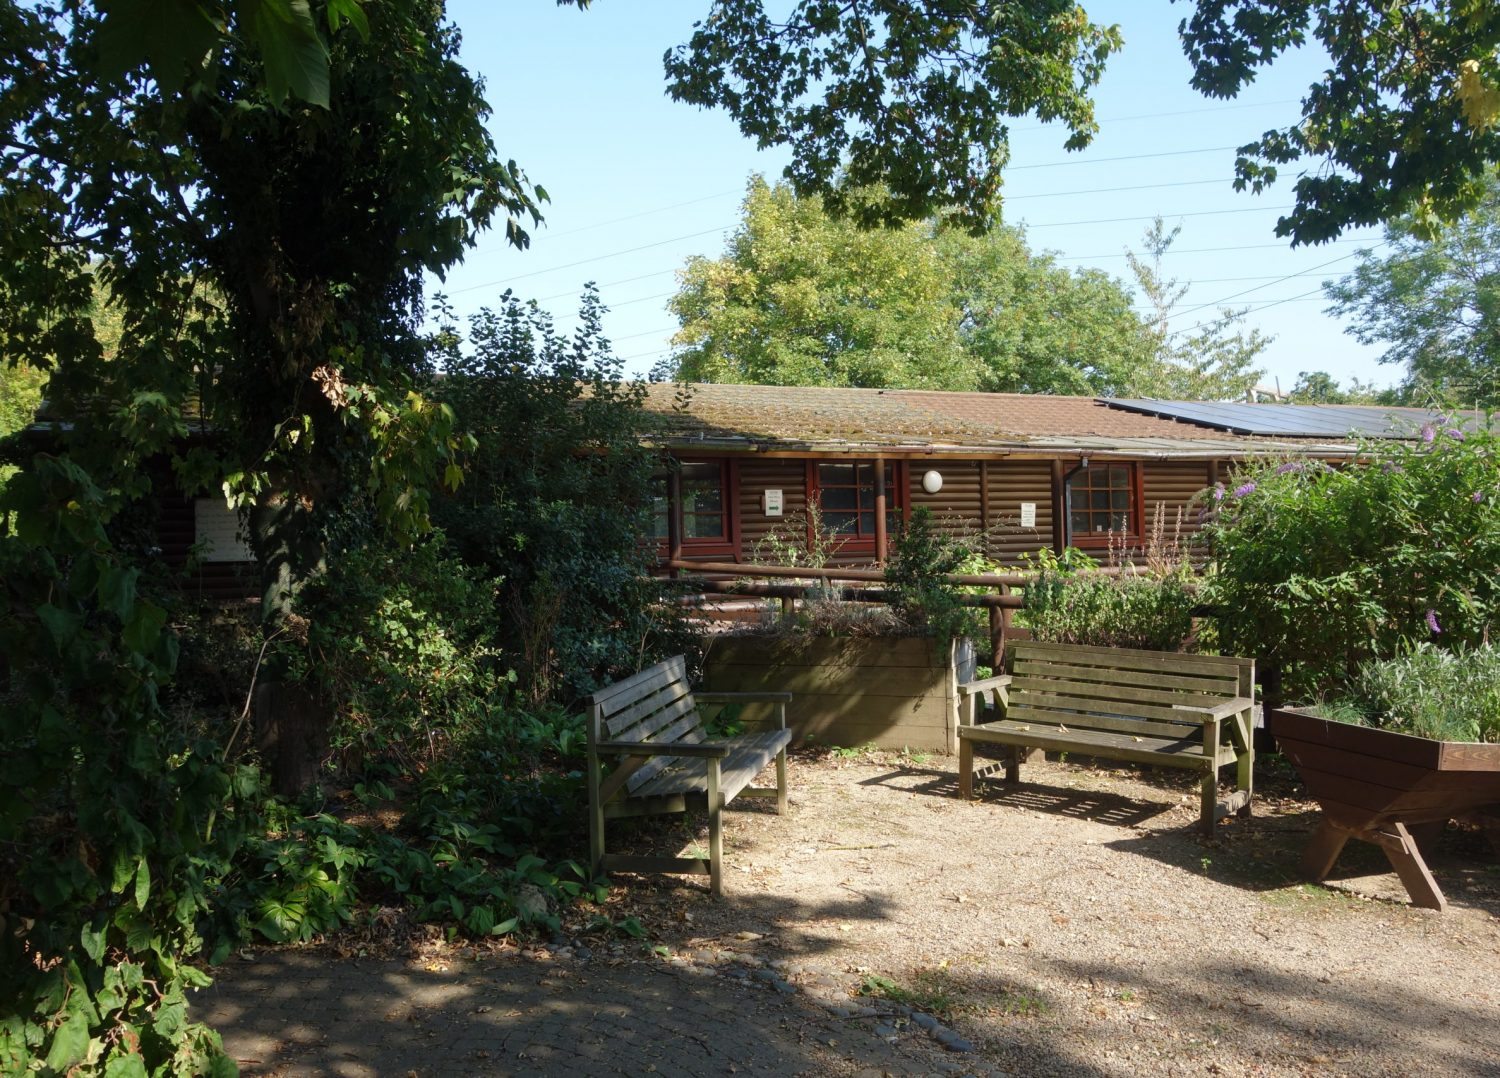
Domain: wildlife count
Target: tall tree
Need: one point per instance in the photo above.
(804, 298)
(1211, 360)
(1432, 297)
(1320, 387)
(1402, 121)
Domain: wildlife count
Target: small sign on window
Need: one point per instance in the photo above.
(772, 501)
(1028, 514)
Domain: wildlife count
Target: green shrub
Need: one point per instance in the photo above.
(1429, 692)
(1068, 603)
(1326, 568)
(399, 643)
(923, 556)
(557, 495)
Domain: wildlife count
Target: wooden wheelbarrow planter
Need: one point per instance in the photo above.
(649, 754)
(1380, 786)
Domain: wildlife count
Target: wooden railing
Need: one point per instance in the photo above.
(1002, 602)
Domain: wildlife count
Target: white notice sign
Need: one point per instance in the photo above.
(1028, 514)
(773, 503)
(217, 531)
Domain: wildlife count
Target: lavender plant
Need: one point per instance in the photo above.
(1322, 569)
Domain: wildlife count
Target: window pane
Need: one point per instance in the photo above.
(1119, 477)
(841, 523)
(1120, 522)
(1079, 523)
(703, 501)
(867, 497)
(836, 475)
(838, 498)
(867, 523)
(701, 472)
(704, 525)
(1119, 499)
(1099, 499)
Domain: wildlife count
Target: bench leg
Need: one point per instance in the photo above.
(596, 822)
(1210, 801)
(965, 768)
(781, 782)
(1014, 754)
(1245, 779)
(715, 831)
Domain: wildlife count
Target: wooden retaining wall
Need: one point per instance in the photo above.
(898, 692)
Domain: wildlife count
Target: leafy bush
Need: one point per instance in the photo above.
(1429, 692)
(1069, 604)
(1326, 568)
(923, 557)
(557, 495)
(399, 643)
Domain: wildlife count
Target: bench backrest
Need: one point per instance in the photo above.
(655, 705)
(1122, 689)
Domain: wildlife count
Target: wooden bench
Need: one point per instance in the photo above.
(650, 728)
(1146, 707)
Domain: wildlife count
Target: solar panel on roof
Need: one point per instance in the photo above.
(1286, 420)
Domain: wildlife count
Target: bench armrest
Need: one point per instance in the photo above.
(999, 681)
(1227, 708)
(743, 697)
(661, 748)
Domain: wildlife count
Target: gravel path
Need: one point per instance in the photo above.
(1075, 925)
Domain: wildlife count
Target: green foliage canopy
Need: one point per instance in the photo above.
(805, 298)
(1433, 299)
(1404, 119)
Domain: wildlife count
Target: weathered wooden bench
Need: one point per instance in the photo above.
(1147, 707)
(649, 726)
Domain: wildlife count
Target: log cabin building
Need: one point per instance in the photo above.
(1017, 473)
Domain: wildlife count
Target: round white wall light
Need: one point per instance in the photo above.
(932, 482)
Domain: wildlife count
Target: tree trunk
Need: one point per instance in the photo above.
(291, 721)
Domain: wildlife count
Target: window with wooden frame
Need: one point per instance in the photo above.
(845, 494)
(1104, 502)
(705, 512)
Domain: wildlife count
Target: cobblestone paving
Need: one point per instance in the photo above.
(302, 1013)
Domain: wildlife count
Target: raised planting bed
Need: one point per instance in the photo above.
(896, 692)
(1377, 785)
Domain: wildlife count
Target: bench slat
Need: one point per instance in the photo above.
(1122, 724)
(643, 706)
(636, 685)
(646, 726)
(1147, 750)
(1225, 684)
(1130, 659)
(691, 731)
(1098, 691)
(748, 756)
(1060, 699)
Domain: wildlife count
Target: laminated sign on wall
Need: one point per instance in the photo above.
(217, 531)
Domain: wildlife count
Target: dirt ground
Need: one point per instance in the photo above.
(1078, 924)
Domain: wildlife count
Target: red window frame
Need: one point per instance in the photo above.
(726, 543)
(1102, 501)
(858, 542)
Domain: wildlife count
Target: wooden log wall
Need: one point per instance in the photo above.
(758, 475)
(1008, 484)
(224, 581)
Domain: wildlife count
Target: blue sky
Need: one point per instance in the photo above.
(639, 183)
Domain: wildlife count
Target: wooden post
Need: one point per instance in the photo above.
(984, 507)
(1059, 509)
(674, 517)
(715, 830)
(880, 498)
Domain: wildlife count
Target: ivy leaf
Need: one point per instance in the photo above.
(93, 942)
(142, 884)
(125, 1067)
(70, 1044)
(144, 627)
(62, 624)
(350, 11)
(117, 590)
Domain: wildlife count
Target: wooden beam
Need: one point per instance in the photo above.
(881, 539)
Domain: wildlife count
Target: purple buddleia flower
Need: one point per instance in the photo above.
(1218, 492)
(1477, 497)
(1289, 466)
(1429, 432)
(1454, 433)
(1432, 621)
(1244, 489)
